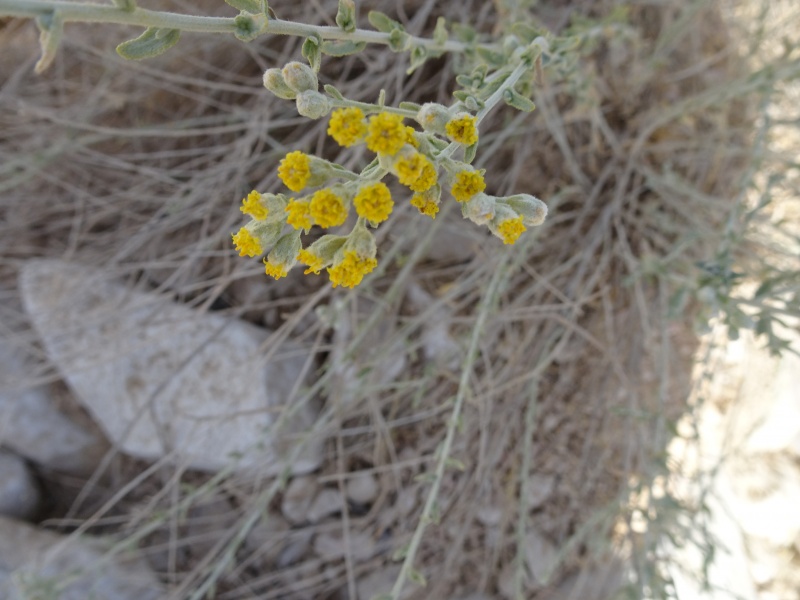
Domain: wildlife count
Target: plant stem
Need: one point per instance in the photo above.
(101, 13)
(453, 424)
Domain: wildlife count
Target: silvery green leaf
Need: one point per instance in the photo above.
(440, 34)
(383, 23)
(152, 42)
(50, 32)
(333, 92)
(518, 101)
(346, 15)
(312, 53)
(251, 6)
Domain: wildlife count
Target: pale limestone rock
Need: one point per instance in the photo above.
(540, 556)
(362, 488)
(297, 499)
(32, 426)
(328, 502)
(31, 559)
(163, 380)
(19, 494)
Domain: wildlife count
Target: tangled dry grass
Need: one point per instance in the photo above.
(581, 365)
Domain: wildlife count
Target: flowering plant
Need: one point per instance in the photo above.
(432, 161)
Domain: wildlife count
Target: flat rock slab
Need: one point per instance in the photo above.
(35, 563)
(161, 379)
(32, 425)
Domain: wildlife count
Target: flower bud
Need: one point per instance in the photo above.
(313, 105)
(480, 209)
(362, 241)
(532, 210)
(274, 82)
(300, 77)
(433, 117)
(283, 256)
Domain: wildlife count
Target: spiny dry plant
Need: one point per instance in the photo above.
(505, 397)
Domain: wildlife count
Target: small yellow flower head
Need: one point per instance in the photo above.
(427, 177)
(314, 263)
(253, 206)
(299, 214)
(424, 204)
(246, 243)
(411, 138)
(321, 253)
(275, 270)
(467, 183)
(347, 126)
(374, 202)
(510, 230)
(294, 170)
(327, 209)
(350, 269)
(386, 133)
(408, 168)
(463, 129)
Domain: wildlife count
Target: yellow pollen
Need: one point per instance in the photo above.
(299, 215)
(246, 244)
(294, 170)
(327, 209)
(511, 229)
(311, 260)
(463, 130)
(386, 133)
(467, 184)
(347, 126)
(351, 270)
(425, 205)
(252, 206)
(274, 270)
(374, 202)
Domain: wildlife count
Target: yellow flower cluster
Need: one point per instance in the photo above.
(295, 170)
(463, 129)
(351, 269)
(467, 183)
(253, 206)
(347, 126)
(246, 244)
(415, 158)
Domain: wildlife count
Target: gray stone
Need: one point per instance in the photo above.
(163, 380)
(34, 562)
(328, 502)
(19, 494)
(297, 499)
(540, 556)
(31, 424)
(362, 488)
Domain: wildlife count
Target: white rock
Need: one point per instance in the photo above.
(438, 344)
(362, 488)
(19, 494)
(538, 489)
(162, 379)
(31, 425)
(297, 499)
(328, 502)
(380, 582)
(540, 556)
(80, 568)
(266, 540)
(332, 546)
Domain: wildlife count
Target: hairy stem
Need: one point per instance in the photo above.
(101, 13)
